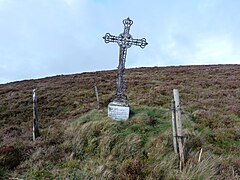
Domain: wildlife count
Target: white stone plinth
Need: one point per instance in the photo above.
(118, 111)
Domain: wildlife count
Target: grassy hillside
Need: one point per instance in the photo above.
(82, 143)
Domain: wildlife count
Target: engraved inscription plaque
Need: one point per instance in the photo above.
(117, 112)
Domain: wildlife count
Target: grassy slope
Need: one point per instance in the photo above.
(83, 143)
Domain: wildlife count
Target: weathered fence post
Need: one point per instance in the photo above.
(174, 127)
(96, 92)
(36, 132)
(179, 127)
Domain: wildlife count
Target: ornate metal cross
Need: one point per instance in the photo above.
(125, 41)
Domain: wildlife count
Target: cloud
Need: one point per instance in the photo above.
(2, 2)
(40, 38)
(217, 49)
(70, 3)
(214, 47)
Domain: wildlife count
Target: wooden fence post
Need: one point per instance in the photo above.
(96, 92)
(174, 127)
(36, 132)
(179, 127)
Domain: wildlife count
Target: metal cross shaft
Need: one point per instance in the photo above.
(125, 41)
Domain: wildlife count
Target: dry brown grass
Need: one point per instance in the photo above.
(210, 95)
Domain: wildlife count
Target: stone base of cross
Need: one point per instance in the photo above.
(125, 41)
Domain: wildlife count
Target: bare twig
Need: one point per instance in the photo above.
(200, 155)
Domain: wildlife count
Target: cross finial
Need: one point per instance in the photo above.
(127, 22)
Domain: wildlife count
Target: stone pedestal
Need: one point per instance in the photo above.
(118, 111)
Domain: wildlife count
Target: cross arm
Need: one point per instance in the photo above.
(140, 42)
(110, 38)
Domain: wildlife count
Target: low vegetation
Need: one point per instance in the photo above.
(78, 142)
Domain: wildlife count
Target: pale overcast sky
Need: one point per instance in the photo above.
(40, 38)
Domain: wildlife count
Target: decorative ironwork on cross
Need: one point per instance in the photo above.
(125, 41)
